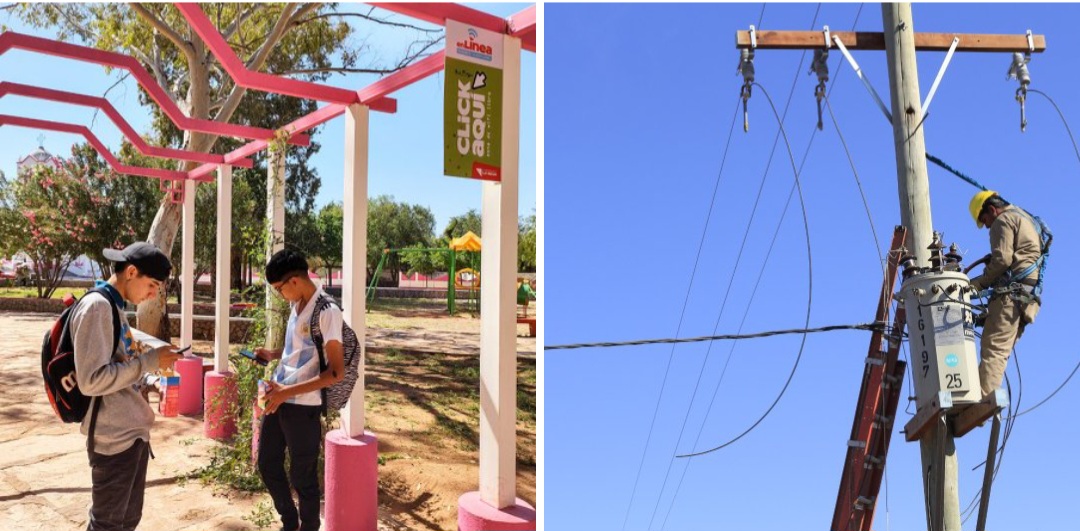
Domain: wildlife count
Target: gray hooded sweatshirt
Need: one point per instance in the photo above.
(112, 377)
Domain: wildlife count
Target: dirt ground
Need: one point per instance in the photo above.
(421, 401)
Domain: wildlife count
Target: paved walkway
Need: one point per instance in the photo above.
(44, 474)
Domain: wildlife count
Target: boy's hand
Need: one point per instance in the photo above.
(267, 354)
(167, 356)
(276, 395)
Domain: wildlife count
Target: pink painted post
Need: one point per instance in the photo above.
(352, 482)
(191, 383)
(475, 514)
(495, 505)
(220, 398)
(256, 431)
(221, 392)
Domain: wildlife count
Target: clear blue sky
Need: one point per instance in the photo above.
(405, 151)
(639, 103)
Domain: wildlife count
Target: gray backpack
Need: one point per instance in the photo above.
(335, 396)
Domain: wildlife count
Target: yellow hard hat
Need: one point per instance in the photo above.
(977, 204)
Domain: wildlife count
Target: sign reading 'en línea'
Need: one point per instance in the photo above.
(472, 103)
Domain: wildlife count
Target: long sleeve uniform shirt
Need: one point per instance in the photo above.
(111, 376)
(1015, 244)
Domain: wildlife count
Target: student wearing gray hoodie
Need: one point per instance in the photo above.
(119, 447)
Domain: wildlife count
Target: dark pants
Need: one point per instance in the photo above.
(119, 483)
(299, 429)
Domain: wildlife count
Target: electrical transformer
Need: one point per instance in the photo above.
(941, 330)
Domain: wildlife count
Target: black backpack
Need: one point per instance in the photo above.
(58, 366)
(335, 396)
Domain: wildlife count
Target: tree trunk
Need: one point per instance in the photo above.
(237, 269)
(276, 308)
(152, 317)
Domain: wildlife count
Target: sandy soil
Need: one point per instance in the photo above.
(422, 404)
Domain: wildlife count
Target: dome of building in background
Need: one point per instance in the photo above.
(40, 157)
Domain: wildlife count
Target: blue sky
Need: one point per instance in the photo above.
(639, 102)
(405, 150)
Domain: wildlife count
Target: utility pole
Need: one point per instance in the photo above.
(945, 411)
(939, 466)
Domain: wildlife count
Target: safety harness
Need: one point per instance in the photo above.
(1016, 285)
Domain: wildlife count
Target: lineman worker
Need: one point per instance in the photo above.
(1012, 271)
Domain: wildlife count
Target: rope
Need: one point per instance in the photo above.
(955, 172)
(871, 327)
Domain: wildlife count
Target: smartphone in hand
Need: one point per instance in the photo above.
(251, 356)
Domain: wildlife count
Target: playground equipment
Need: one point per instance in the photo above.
(469, 242)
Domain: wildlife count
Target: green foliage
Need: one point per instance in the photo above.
(527, 244)
(393, 225)
(423, 260)
(263, 515)
(330, 226)
(53, 214)
(302, 233)
(459, 225)
(231, 462)
(13, 234)
(128, 209)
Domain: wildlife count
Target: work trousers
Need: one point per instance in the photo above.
(299, 429)
(1005, 322)
(119, 482)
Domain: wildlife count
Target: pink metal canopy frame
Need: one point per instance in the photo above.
(7, 87)
(374, 96)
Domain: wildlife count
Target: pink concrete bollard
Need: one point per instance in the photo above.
(352, 482)
(220, 397)
(256, 429)
(191, 384)
(474, 514)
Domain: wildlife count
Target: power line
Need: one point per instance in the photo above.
(872, 327)
(682, 313)
(731, 280)
(1010, 420)
(1063, 121)
(858, 183)
(667, 472)
(810, 283)
(1067, 378)
(757, 284)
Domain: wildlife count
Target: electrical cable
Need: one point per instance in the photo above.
(1007, 432)
(810, 283)
(731, 280)
(1063, 121)
(756, 286)
(858, 183)
(872, 327)
(1032, 408)
(682, 314)
(881, 261)
(761, 17)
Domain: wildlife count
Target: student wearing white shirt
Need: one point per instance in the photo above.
(294, 400)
